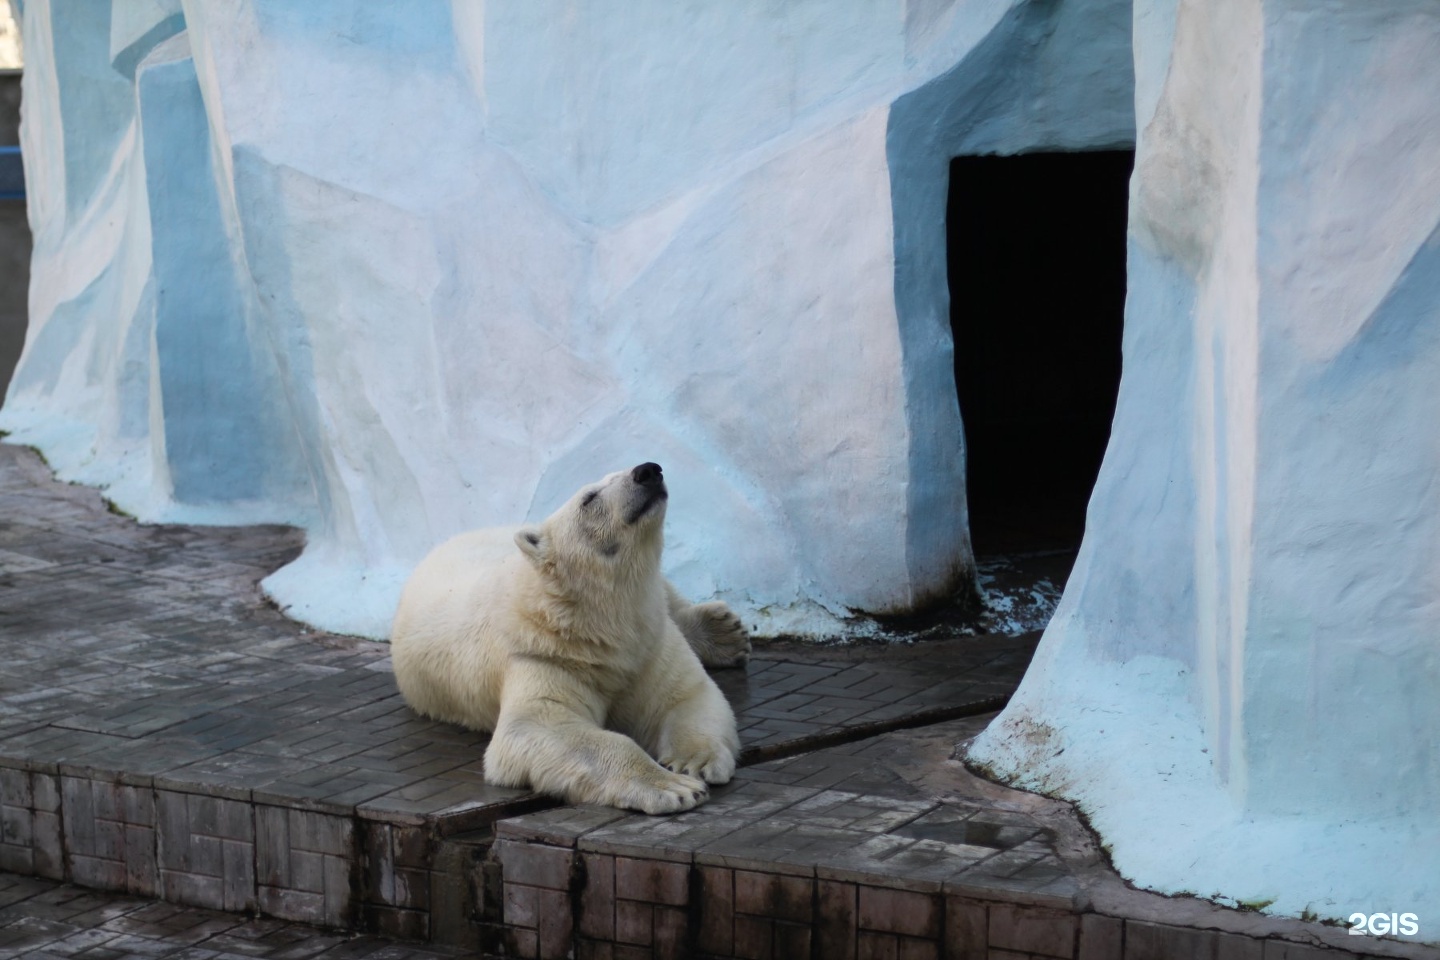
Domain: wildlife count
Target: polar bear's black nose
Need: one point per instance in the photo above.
(647, 473)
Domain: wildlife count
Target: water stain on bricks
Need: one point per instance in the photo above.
(774, 895)
(899, 911)
(652, 880)
(974, 832)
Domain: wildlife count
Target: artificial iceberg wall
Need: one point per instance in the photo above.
(1239, 684)
(395, 270)
(392, 271)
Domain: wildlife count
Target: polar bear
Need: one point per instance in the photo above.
(565, 640)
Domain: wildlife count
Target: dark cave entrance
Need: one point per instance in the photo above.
(1037, 300)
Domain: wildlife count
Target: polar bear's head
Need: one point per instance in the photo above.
(607, 529)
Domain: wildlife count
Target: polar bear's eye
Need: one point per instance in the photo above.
(589, 497)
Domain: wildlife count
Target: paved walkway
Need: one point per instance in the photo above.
(886, 847)
(42, 919)
(166, 732)
(149, 650)
(166, 735)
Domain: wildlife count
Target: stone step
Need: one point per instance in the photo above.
(392, 865)
(43, 919)
(885, 847)
(166, 732)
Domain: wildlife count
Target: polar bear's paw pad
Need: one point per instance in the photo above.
(666, 792)
(726, 634)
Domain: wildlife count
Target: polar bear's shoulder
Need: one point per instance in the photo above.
(463, 560)
(458, 581)
(477, 548)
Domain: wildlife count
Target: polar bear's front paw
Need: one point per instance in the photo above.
(713, 764)
(664, 792)
(723, 633)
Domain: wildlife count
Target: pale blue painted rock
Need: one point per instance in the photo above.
(392, 271)
(1239, 686)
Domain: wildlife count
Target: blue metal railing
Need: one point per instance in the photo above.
(12, 174)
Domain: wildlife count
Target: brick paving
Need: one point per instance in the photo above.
(833, 853)
(792, 698)
(166, 732)
(151, 647)
(43, 919)
(886, 847)
(242, 786)
(842, 814)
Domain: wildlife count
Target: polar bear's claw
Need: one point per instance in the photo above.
(719, 770)
(675, 793)
(723, 633)
(715, 765)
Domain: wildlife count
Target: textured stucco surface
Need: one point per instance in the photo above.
(1238, 684)
(392, 271)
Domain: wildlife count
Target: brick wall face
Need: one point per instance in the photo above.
(206, 850)
(30, 834)
(525, 897)
(231, 854)
(304, 864)
(537, 912)
(593, 905)
(109, 835)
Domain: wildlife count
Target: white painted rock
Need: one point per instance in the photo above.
(392, 271)
(1239, 686)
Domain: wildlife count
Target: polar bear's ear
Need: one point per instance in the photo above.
(534, 543)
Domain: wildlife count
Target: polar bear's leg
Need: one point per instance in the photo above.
(698, 737)
(548, 737)
(714, 632)
(690, 728)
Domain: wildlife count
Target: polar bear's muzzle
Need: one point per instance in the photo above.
(650, 480)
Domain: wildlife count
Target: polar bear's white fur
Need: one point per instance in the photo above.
(565, 640)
